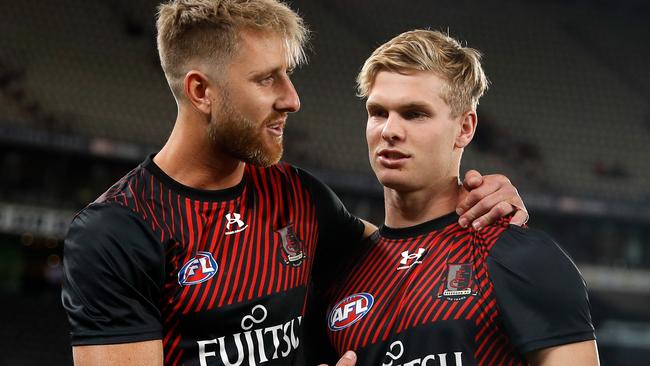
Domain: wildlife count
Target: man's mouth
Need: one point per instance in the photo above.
(392, 158)
(276, 128)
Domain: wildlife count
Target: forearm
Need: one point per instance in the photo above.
(148, 353)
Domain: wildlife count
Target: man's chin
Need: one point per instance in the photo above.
(266, 158)
(394, 183)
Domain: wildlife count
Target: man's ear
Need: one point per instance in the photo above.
(468, 123)
(199, 91)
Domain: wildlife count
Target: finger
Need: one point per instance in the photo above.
(348, 359)
(473, 179)
(506, 192)
(467, 206)
(520, 218)
(484, 209)
(518, 202)
(500, 210)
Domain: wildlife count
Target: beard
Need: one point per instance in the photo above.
(243, 138)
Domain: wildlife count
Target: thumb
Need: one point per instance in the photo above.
(473, 179)
(348, 359)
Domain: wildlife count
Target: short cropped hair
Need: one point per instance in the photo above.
(426, 50)
(197, 31)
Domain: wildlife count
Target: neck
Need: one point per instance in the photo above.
(191, 159)
(404, 209)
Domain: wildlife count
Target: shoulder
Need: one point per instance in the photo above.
(529, 251)
(541, 294)
(113, 270)
(104, 230)
(122, 189)
(105, 218)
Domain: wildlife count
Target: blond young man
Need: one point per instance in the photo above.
(424, 290)
(202, 254)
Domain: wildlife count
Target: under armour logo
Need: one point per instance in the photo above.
(407, 257)
(234, 218)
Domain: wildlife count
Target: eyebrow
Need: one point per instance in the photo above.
(257, 73)
(401, 107)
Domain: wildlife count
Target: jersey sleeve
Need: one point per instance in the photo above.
(337, 224)
(340, 235)
(113, 275)
(541, 295)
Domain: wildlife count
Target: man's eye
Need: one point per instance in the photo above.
(414, 115)
(267, 80)
(377, 113)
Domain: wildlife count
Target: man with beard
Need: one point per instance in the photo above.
(425, 290)
(202, 254)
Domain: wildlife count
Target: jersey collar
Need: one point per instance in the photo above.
(419, 229)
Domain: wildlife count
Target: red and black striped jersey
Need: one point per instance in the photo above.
(438, 294)
(220, 276)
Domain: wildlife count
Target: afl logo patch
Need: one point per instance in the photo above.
(198, 269)
(350, 310)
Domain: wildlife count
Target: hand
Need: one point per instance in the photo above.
(348, 359)
(489, 198)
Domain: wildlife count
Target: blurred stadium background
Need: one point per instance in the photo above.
(567, 118)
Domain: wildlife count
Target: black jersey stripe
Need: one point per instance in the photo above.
(220, 214)
(210, 210)
(231, 254)
(249, 250)
(221, 251)
(259, 270)
(241, 238)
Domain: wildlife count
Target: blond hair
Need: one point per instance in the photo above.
(426, 50)
(196, 31)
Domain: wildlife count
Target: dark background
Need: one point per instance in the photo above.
(567, 118)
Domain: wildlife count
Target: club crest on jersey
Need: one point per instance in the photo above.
(459, 283)
(350, 310)
(198, 269)
(291, 251)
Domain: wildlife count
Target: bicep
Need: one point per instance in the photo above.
(148, 353)
(579, 354)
